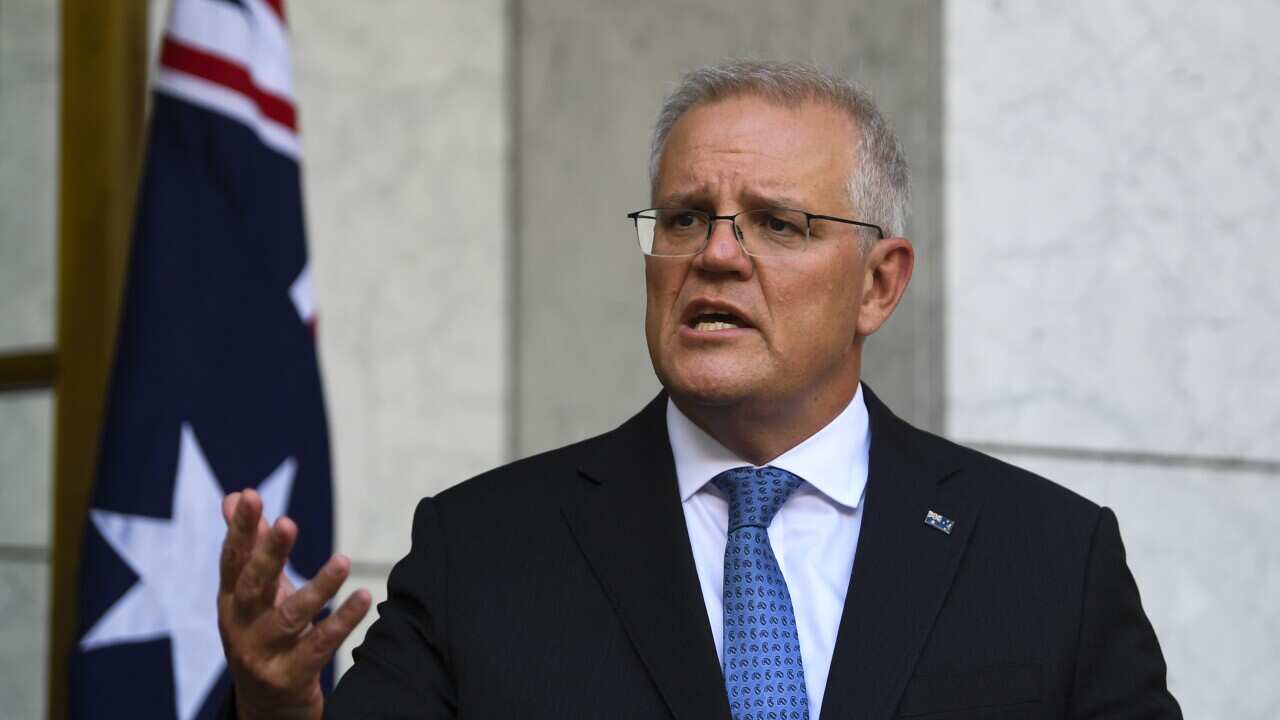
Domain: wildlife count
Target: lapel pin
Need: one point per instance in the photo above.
(934, 520)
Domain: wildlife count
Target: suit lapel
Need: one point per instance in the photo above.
(628, 522)
(902, 568)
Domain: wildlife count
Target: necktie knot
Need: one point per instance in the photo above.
(755, 494)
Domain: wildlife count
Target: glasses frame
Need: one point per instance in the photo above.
(737, 231)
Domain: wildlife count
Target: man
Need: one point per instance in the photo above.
(765, 539)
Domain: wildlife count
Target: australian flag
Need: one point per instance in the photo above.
(215, 386)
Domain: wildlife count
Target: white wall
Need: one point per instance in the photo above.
(1112, 254)
(404, 134)
(28, 172)
(26, 424)
(28, 273)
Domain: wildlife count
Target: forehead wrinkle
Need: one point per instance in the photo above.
(756, 195)
(755, 192)
(764, 198)
(748, 162)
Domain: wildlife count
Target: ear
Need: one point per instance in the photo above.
(886, 273)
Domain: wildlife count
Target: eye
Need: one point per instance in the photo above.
(680, 221)
(779, 224)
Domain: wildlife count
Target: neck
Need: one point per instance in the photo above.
(759, 430)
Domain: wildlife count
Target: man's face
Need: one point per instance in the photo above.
(794, 316)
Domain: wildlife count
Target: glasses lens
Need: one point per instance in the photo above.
(773, 231)
(671, 232)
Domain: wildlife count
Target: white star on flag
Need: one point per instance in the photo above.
(176, 561)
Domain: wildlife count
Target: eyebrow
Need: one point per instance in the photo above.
(753, 198)
(700, 198)
(692, 199)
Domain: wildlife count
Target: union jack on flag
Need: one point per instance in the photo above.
(215, 386)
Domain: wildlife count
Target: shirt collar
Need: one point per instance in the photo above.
(833, 460)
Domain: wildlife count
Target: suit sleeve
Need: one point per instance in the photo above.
(1120, 671)
(402, 668)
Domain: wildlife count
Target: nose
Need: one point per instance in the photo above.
(724, 253)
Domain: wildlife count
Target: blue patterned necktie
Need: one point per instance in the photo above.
(763, 672)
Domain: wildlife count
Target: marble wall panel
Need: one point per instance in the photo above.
(28, 171)
(26, 468)
(24, 643)
(591, 79)
(404, 135)
(1202, 546)
(1112, 224)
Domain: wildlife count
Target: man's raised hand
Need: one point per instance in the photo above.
(274, 650)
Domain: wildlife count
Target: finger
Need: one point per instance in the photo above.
(284, 588)
(241, 537)
(294, 615)
(324, 639)
(262, 534)
(255, 590)
(229, 507)
(248, 510)
(262, 529)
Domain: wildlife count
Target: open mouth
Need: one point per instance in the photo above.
(713, 321)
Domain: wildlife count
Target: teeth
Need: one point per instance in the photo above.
(709, 325)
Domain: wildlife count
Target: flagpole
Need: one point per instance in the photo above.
(102, 106)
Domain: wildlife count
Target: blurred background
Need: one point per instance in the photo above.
(1095, 212)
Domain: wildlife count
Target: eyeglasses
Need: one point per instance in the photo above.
(680, 232)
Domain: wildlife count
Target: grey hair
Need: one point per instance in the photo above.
(879, 187)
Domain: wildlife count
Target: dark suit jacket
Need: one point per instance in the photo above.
(563, 586)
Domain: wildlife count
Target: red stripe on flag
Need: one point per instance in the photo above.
(277, 6)
(233, 76)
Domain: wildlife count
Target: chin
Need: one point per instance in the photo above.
(707, 384)
(706, 396)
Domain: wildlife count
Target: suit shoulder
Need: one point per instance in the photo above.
(546, 476)
(537, 477)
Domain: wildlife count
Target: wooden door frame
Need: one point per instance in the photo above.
(104, 58)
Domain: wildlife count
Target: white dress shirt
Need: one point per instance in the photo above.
(814, 535)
